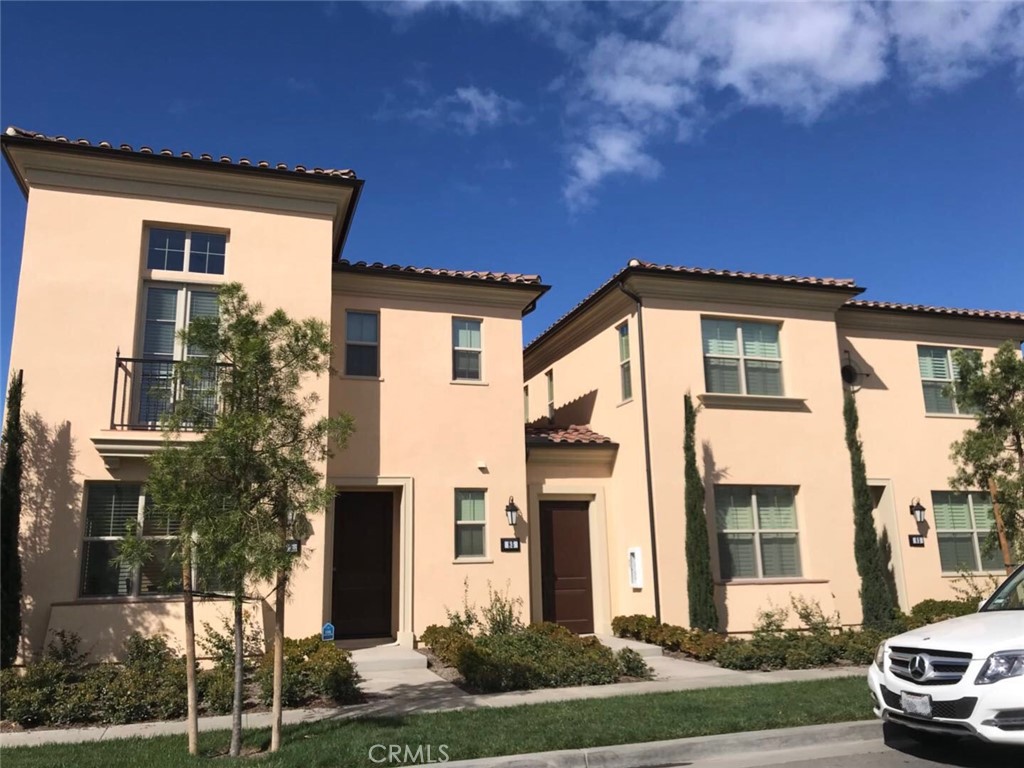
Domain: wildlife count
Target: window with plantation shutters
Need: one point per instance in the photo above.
(939, 372)
(741, 357)
(758, 536)
(470, 523)
(112, 511)
(963, 525)
(362, 343)
(467, 349)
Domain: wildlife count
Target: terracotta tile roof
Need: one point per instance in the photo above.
(242, 162)
(574, 434)
(487, 277)
(988, 314)
(835, 282)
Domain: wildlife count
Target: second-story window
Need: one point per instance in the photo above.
(625, 376)
(362, 343)
(741, 358)
(179, 250)
(526, 403)
(467, 349)
(550, 376)
(939, 371)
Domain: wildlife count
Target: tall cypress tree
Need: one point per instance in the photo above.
(700, 587)
(877, 601)
(10, 524)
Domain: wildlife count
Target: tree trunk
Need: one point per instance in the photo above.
(1004, 544)
(280, 598)
(236, 709)
(190, 656)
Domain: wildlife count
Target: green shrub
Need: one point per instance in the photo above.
(216, 690)
(632, 664)
(739, 654)
(540, 656)
(931, 611)
(503, 614)
(312, 669)
(702, 645)
(47, 691)
(446, 643)
(637, 627)
(150, 685)
(858, 647)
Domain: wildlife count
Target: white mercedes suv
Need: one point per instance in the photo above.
(962, 677)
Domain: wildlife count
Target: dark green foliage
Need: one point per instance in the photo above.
(992, 450)
(931, 611)
(700, 586)
(446, 643)
(216, 689)
(878, 603)
(10, 524)
(539, 656)
(636, 626)
(313, 670)
(632, 664)
(697, 643)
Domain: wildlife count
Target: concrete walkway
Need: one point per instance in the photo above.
(396, 681)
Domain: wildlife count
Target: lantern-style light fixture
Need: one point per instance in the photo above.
(511, 511)
(917, 510)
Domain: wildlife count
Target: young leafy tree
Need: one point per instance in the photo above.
(10, 524)
(700, 586)
(990, 455)
(255, 477)
(877, 600)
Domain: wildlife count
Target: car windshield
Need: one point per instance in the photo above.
(1010, 596)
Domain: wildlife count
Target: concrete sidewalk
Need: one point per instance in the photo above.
(406, 686)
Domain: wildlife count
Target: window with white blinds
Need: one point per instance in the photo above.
(470, 523)
(741, 358)
(758, 536)
(112, 511)
(939, 371)
(625, 373)
(467, 349)
(963, 525)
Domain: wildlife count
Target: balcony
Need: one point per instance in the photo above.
(144, 391)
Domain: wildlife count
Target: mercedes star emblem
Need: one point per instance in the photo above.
(920, 667)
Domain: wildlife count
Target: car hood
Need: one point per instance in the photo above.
(977, 633)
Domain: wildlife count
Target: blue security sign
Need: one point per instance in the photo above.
(327, 633)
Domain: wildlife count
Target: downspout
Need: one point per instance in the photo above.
(647, 446)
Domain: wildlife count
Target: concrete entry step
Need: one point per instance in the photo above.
(616, 643)
(387, 658)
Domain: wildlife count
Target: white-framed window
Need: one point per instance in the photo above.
(111, 511)
(181, 250)
(938, 371)
(362, 343)
(741, 357)
(550, 377)
(758, 537)
(470, 522)
(526, 403)
(467, 349)
(963, 522)
(625, 375)
(168, 310)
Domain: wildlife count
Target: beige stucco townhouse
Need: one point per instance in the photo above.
(124, 246)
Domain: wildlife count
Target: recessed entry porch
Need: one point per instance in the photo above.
(367, 590)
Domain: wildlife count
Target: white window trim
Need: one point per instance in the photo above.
(741, 357)
(376, 374)
(625, 368)
(951, 381)
(974, 531)
(479, 350)
(549, 377)
(482, 524)
(187, 263)
(136, 572)
(757, 530)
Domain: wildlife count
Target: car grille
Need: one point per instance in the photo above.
(943, 667)
(955, 709)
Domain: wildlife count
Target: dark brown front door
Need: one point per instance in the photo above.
(568, 594)
(362, 564)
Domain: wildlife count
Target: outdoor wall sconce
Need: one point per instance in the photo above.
(917, 510)
(511, 511)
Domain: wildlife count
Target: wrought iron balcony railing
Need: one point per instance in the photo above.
(147, 389)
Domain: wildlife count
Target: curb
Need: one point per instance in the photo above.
(658, 754)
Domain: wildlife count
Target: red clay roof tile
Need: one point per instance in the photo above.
(574, 434)
(989, 314)
(490, 277)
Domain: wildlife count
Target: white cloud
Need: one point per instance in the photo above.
(469, 109)
(606, 151)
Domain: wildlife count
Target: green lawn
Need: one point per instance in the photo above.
(487, 732)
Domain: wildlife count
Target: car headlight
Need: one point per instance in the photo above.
(1000, 666)
(880, 655)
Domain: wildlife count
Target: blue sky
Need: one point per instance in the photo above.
(874, 141)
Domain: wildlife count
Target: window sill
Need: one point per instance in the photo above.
(353, 377)
(625, 402)
(469, 383)
(753, 402)
(122, 600)
(1001, 573)
(950, 416)
(471, 560)
(763, 582)
(183, 277)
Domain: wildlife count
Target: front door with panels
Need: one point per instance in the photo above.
(566, 582)
(362, 597)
